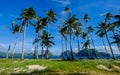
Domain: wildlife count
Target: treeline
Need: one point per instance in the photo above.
(72, 28)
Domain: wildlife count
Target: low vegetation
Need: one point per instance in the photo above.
(78, 67)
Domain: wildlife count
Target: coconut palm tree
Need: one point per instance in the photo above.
(15, 29)
(90, 30)
(78, 32)
(46, 42)
(86, 18)
(35, 42)
(84, 36)
(71, 24)
(18, 29)
(64, 33)
(51, 18)
(103, 28)
(86, 46)
(116, 38)
(39, 26)
(62, 39)
(26, 16)
(101, 35)
(9, 47)
(114, 27)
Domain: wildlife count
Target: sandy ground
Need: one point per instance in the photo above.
(35, 67)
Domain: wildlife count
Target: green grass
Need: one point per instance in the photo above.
(80, 67)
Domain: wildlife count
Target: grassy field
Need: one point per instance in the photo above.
(78, 67)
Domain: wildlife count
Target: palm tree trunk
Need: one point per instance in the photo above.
(67, 55)
(116, 43)
(88, 51)
(14, 47)
(71, 46)
(24, 35)
(79, 47)
(37, 50)
(42, 55)
(9, 47)
(62, 49)
(94, 46)
(47, 53)
(110, 46)
(105, 48)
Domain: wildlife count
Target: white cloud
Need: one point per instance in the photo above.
(102, 14)
(101, 49)
(63, 13)
(62, 2)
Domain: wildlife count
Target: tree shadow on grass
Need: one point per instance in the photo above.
(48, 72)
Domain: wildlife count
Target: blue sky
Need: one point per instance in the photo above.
(11, 9)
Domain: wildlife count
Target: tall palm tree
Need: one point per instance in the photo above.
(114, 27)
(14, 29)
(71, 24)
(67, 10)
(101, 35)
(35, 42)
(103, 28)
(39, 26)
(26, 16)
(90, 30)
(64, 33)
(47, 42)
(85, 44)
(78, 32)
(62, 39)
(9, 47)
(106, 24)
(86, 18)
(51, 17)
(116, 38)
(18, 29)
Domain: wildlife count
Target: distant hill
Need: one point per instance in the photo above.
(84, 53)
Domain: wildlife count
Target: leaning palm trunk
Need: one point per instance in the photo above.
(105, 48)
(14, 48)
(42, 55)
(67, 55)
(79, 48)
(94, 46)
(9, 47)
(118, 44)
(22, 57)
(110, 46)
(62, 49)
(36, 53)
(72, 57)
(88, 53)
(47, 53)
